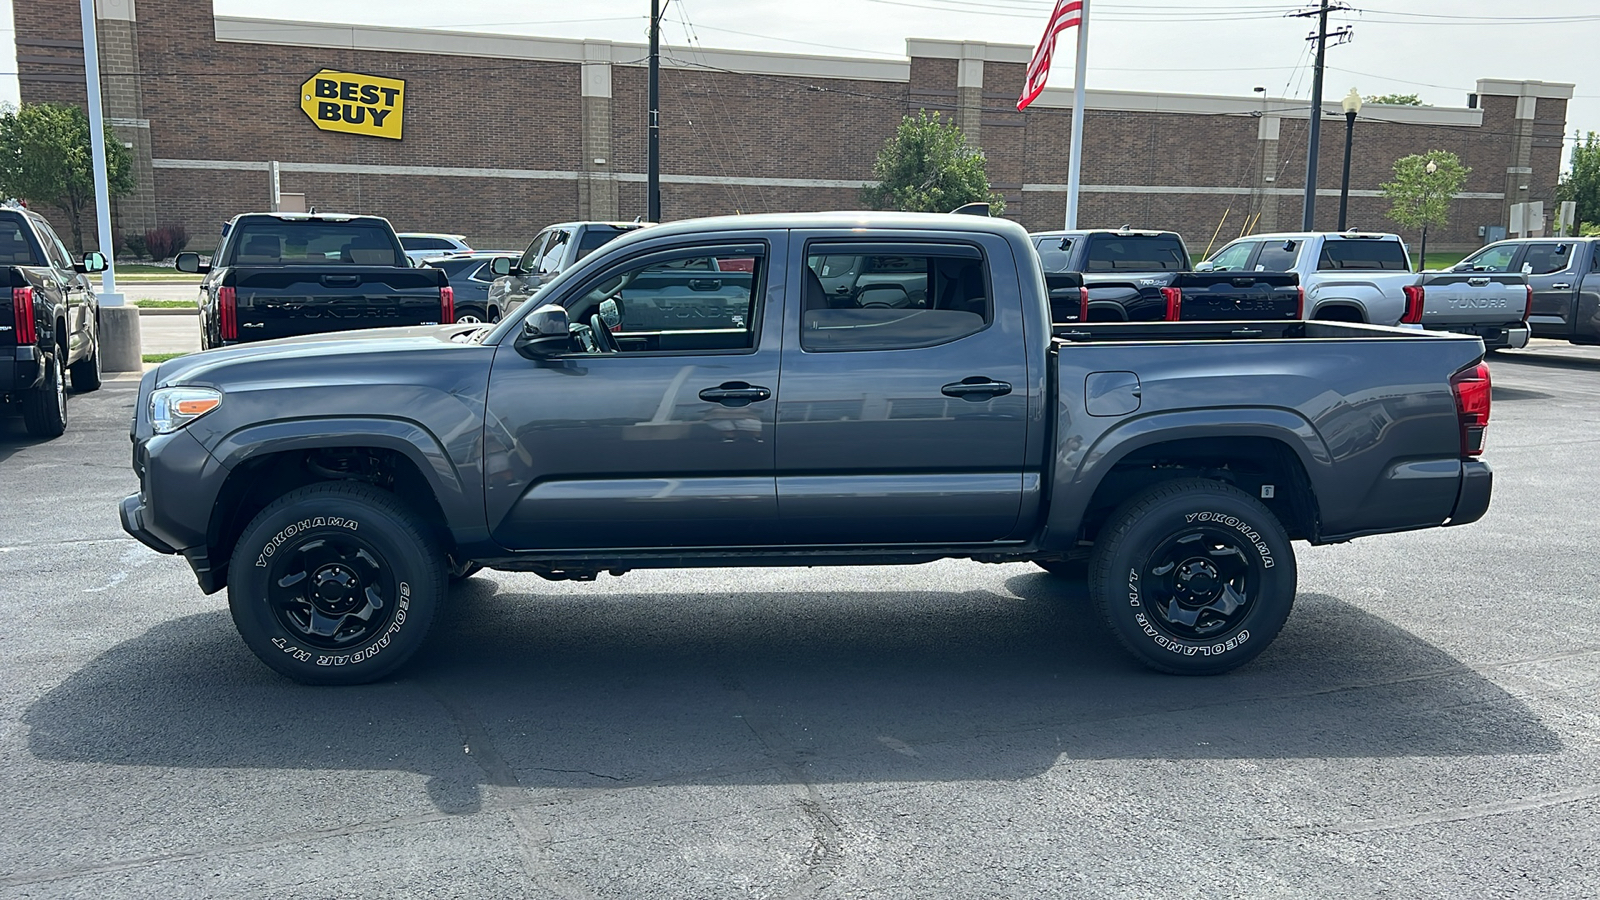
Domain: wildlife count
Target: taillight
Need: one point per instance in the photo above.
(1300, 304)
(1413, 314)
(1083, 304)
(447, 305)
(1174, 298)
(1473, 392)
(22, 312)
(1527, 305)
(228, 313)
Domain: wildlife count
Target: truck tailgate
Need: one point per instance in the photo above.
(1472, 298)
(1232, 297)
(288, 301)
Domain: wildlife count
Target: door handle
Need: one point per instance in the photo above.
(975, 388)
(735, 394)
(1560, 287)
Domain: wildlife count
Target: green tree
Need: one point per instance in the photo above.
(45, 159)
(1423, 186)
(928, 167)
(1395, 100)
(1581, 183)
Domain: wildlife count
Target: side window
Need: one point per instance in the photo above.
(1546, 259)
(53, 248)
(683, 302)
(1054, 253)
(550, 258)
(1496, 258)
(901, 297)
(1278, 256)
(16, 248)
(530, 257)
(1233, 257)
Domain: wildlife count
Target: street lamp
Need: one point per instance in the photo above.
(1427, 194)
(1352, 105)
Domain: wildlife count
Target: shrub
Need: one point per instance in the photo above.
(164, 242)
(133, 245)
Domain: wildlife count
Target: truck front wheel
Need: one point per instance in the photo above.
(335, 583)
(1194, 577)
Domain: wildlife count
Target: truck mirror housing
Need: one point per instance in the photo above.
(189, 261)
(93, 261)
(1206, 266)
(545, 332)
(500, 265)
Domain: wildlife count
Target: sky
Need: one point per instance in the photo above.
(1436, 49)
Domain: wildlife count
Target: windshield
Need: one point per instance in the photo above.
(292, 243)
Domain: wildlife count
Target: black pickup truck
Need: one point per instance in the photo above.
(1132, 275)
(689, 395)
(286, 274)
(49, 322)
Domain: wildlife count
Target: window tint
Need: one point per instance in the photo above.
(1363, 254)
(1233, 257)
(685, 303)
(422, 243)
(280, 243)
(595, 238)
(1278, 256)
(1494, 258)
(1054, 253)
(53, 247)
(913, 297)
(531, 255)
(15, 247)
(550, 257)
(1135, 253)
(1546, 259)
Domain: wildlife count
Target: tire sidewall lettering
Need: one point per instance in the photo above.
(301, 526)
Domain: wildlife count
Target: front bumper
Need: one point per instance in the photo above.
(1477, 483)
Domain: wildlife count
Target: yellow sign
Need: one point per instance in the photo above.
(356, 104)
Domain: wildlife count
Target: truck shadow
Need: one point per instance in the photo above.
(583, 689)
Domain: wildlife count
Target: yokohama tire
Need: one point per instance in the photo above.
(44, 409)
(1194, 577)
(335, 583)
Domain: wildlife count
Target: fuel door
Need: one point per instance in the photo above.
(1111, 393)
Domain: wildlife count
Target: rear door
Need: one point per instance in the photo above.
(1553, 275)
(665, 441)
(903, 419)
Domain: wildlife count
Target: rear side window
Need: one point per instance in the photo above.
(896, 297)
(595, 238)
(1135, 253)
(1546, 259)
(1278, 256)
(15, 247)
(423, 243)
(1388, 256)
(1054, 253)
(280, 243)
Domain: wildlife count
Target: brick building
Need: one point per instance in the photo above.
(504, 134)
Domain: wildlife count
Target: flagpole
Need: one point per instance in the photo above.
(1075, 154)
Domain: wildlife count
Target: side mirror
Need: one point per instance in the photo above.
(545, 332)
(93, 262)
(1206, 266)
(500, 265)
(189, 261)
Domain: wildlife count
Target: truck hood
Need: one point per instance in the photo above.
(213, 365)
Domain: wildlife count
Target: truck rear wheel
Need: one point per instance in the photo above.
(44, 409)
(86, 375)
(335, 583)
(1194, 577)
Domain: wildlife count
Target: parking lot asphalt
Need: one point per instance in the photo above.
(1427, 725)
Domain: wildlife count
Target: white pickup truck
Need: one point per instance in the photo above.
(1367, 277)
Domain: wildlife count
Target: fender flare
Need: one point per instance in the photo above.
(420, 446)
(1076, 480)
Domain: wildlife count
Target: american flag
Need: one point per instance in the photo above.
(1067, 14)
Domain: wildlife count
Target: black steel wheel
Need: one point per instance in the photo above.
(1193, 576)
(44, 409)
(335, 583)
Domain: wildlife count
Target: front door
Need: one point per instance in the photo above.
(657, 429)
(904, 412)
(1553, 277)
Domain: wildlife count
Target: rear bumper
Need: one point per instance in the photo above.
(1477, 483)
(1495, 337)
(19, 369)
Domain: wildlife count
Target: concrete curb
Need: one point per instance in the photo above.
(169, 311)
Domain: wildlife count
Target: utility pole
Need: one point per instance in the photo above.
(653, 161)
(1321, 37)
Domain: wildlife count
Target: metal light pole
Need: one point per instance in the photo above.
(1427, 193)
(1352, 105)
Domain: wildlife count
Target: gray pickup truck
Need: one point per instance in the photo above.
(687, 396)
(1563, 282)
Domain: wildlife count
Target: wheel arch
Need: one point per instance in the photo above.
(1253, 448)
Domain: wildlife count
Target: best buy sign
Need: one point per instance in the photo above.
(356, 104)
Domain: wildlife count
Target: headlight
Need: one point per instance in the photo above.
(174, 407)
